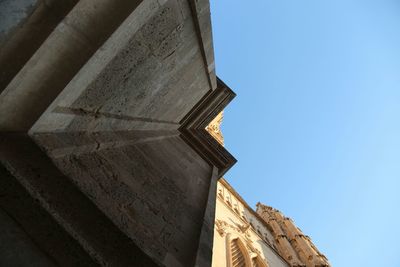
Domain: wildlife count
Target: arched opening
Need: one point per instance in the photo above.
(239, 256)
(237, 253)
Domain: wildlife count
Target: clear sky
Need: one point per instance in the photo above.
(315, 125)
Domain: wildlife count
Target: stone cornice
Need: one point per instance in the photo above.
(193, 128)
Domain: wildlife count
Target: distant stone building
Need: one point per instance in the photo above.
(262, 238)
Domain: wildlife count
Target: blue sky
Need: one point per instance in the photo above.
(316, 123)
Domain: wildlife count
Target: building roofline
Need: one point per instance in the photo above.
(225, 183)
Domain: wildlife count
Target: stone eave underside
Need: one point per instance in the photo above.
(63, 128)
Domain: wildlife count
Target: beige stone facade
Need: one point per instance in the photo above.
(240, 236)
(244, 237)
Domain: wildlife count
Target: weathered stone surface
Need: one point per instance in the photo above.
(292, 244)
(58, 59)
(13, 14)
(16, 248)
(30, 236)
(67, 208)
(109, 158)
(205, 246)
(24, 26)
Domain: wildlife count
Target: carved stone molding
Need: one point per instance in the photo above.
(237, 231)
(193, 128)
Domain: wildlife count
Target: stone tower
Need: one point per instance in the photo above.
(291, 243)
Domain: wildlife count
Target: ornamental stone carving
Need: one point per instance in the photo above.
(214, 128)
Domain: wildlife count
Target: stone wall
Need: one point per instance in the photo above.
(233, 218)
(102, 124)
